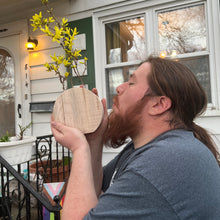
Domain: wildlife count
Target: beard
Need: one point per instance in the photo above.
(120, 128)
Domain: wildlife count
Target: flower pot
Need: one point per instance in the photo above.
(45, 171)
(79, 108)
(18, 151)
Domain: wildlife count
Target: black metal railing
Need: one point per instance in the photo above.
(22, 195)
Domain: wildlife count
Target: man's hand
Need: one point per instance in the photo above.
(71, 138)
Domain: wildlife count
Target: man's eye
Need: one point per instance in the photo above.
(130, 83)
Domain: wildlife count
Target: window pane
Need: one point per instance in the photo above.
(115, 77)
(7, 93)
(182, 30)
(125, 40)
(200, 66)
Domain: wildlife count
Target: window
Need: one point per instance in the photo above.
(182, 34)
(125, 43)
(125, 40)
(7, 94)
(186, 31)
(182, 30)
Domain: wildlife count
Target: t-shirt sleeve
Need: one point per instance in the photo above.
(131, 197)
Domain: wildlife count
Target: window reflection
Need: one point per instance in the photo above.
(200, 67)
(182, 30)
(7, 94)
(125, 40)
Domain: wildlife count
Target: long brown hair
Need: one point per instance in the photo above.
(176, 81)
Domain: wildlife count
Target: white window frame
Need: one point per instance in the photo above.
(149, 9)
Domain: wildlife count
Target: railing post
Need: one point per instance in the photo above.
(28, 202)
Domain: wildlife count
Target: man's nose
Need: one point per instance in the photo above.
(120, 89)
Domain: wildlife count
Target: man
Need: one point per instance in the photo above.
(168, 171)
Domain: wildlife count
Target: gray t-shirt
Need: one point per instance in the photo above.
(174, 176)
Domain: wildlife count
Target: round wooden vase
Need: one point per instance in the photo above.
(80, 108)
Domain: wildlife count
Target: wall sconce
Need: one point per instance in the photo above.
(31, 44)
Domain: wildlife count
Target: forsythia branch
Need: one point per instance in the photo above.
(62, 34)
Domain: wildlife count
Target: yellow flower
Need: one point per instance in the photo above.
(47, 65)
(44, 2)
(85, 58)
(54, 58)
(64, 21)
(67, 32)
(37, 21)
(66, 63)
(51, 20)
(55, 68)
(46, 30)
(74, 32)
(60, 59)
(66, 74)
(58, 34)
(77, 53)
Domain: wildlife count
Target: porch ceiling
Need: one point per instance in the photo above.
(13, 10)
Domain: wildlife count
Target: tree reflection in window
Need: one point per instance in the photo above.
(182, 30)
(200, 67)
(125, 40)
(7, 94)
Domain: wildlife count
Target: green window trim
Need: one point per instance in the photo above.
(84, 26)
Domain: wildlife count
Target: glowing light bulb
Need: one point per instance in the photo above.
(174, 53)
(163, 54)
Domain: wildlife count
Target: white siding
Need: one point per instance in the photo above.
(45, 85)
(211, 123)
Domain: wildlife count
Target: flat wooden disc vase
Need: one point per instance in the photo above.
(80, 108)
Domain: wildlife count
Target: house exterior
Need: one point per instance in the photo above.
(115, 35)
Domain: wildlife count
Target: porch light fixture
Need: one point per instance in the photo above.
(31, 44)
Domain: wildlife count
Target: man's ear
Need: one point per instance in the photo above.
(159, 105)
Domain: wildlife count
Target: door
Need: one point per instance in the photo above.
(10, 84)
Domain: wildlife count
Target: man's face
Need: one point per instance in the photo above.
(132, 91)
(125, 119)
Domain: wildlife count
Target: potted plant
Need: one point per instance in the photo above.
(59, 172)
(17, 149)
(77, 107)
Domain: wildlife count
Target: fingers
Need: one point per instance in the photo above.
(55, 131)
(95, 91)
(105, 116)
(58, 126)
(58, 129)
(104, 106)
